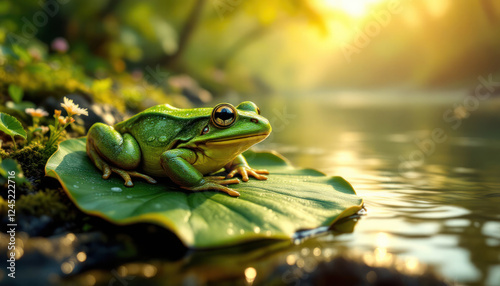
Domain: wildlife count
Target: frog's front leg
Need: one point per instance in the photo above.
(178, 165)
(240, 165)
(112, 152)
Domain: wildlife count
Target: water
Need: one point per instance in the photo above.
(116, 189)
(431, 199)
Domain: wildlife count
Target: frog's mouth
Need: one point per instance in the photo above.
(240, 139)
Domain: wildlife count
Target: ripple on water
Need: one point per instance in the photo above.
(493, 275)
(463, 170)
(442, 212)
(491, 229)
(451, 261)
(469, 141)
(400, 226)
(492, 242)
(458, 222)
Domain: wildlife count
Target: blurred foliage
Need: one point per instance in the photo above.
(9, 165)
(44, 75)
(130, 41)
(62, 46)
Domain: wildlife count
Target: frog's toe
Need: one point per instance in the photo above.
(232, 173)
(126, 175)
(221, 180)
(229, 191)
(262, 171)
(98, 161)
(212, 186)
(246, 171)
(213, 178)
(106, 171)
(257, 174)
(143, 176)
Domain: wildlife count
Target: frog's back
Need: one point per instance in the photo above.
(159, 125)
(160, 128)
(165, 111)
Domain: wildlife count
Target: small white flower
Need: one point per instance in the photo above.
(36, 112)
(72, 108)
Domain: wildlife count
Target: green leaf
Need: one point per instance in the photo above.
(21, 53)
(16, 93)
(11, 126)
(8, 166)
(21, 106)
(289, 201)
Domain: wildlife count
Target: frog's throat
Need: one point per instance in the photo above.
(237, 140)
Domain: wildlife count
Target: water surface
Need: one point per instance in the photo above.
(430, 199)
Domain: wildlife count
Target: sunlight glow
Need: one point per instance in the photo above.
(438, 8)
(354, 8)
(250, 274)
(382, 240)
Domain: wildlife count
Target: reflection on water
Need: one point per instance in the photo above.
(443, 210)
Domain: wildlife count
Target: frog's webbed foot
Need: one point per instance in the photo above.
(216, 183)
(107, 170)
(244, 171)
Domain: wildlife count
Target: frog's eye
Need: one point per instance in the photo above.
(224, 115)
(258, 111)
(205, 130)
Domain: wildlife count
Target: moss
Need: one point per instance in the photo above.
(32, 159)
(3, 207)
(3, 154)
(46, 202)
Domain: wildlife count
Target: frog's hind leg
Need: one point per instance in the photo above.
(113, 153)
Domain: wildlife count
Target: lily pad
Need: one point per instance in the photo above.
(289, 201)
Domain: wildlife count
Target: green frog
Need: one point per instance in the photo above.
(185, 145)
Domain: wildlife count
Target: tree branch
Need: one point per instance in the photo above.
(185, 34)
